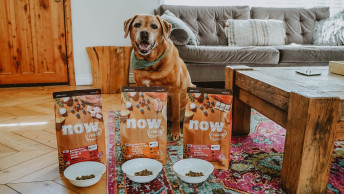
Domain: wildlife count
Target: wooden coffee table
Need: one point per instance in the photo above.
(311, 108)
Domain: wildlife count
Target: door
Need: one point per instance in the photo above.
(32, 42)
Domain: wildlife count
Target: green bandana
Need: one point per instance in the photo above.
(137, 63)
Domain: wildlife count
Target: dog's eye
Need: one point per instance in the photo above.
(154, 26)
(137, 25)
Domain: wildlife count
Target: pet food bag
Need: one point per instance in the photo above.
(80, 130)
(208, 125)
(143, 125)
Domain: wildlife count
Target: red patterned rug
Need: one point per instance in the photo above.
(255, 166)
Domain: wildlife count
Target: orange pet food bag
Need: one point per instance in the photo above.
(208, 125)
(143, 123)
(80, 130)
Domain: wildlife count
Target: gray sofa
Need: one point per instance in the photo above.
(207, 61)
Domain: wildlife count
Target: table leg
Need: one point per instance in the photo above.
(241, 111)
(241, 117)
(309, 143)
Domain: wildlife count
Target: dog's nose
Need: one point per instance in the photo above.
(144, 35)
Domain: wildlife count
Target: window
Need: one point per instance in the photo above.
(335, 5)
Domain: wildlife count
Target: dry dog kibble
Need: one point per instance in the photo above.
(144, 172)
(85, 177)
(194, 174)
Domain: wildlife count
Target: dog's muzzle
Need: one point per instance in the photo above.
(144, 46)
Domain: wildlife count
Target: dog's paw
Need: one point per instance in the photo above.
(176, 135)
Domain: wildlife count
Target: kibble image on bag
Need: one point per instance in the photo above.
(207, 126)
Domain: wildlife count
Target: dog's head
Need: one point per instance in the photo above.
(147, 33)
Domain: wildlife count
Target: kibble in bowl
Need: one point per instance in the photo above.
(142, 170)
(194, 174)
(85, 177)
(193, 170)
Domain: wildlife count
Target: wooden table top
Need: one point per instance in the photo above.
(274, 84)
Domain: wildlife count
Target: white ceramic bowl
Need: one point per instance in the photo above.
(83, 169)
(196, 165)
(139, 164)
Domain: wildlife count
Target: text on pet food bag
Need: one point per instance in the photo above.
(204, 125)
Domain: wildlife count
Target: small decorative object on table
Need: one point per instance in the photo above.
(308, 72)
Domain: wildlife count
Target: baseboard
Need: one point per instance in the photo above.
(82, 80)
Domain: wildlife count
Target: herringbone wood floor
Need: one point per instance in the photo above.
(28, 154)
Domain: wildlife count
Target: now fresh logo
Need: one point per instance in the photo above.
(204, 125)
(216, 128)
(92, 130)
(142, 123)
(152, 125)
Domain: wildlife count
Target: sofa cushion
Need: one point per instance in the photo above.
(310, 53)
(179, 24)
(255, 32)
(207, 22)
(227, 55)
(330, 32)
(299, 22)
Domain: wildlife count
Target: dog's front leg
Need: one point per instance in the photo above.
(175, 100)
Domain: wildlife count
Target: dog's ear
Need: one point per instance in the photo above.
(166, 27)
(127, 25)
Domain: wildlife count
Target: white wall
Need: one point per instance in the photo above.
(100, 23)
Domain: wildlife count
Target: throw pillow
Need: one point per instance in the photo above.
(179, 37)
(178, 23)
(255, 32)
(330, 32)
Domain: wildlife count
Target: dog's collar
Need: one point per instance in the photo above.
(137, 63)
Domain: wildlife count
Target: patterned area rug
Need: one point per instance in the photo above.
(255, 166)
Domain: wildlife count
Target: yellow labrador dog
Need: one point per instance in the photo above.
(156, 62)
